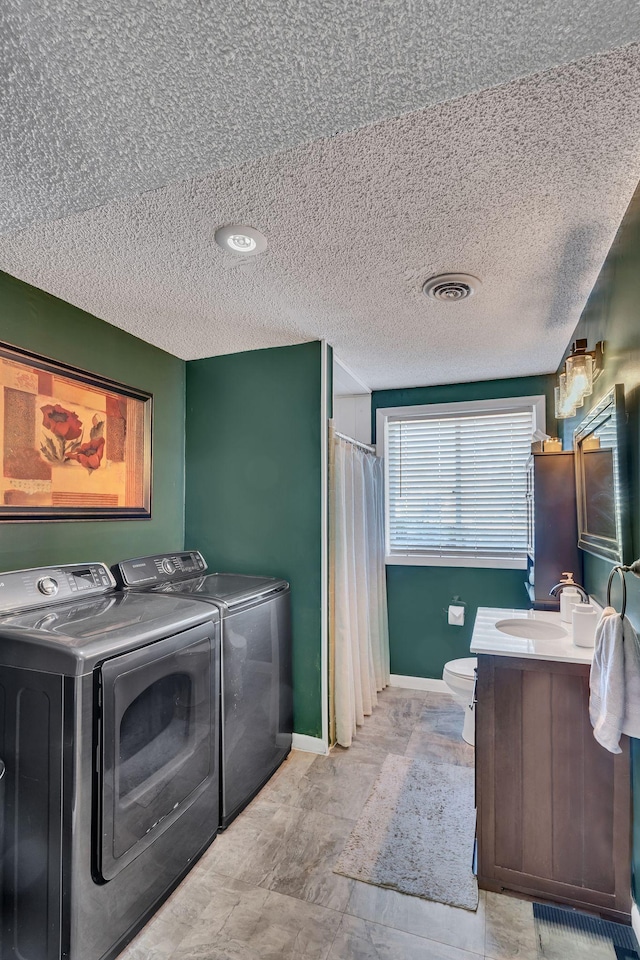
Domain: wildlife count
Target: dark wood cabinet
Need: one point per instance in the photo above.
(554, 815)
(552, 527)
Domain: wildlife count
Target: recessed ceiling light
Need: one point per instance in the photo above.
(451, 287)
(240, 239)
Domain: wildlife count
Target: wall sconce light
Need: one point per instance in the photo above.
(581, 368)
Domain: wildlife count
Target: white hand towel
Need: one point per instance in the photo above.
(606, 682)
(614, 703)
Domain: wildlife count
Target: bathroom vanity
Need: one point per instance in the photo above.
(554, 814)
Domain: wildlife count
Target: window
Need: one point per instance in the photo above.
(456, 481)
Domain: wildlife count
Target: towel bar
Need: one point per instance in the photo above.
(622, 569)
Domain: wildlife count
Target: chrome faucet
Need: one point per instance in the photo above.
(569, 582)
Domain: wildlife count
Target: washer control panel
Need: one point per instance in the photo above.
(162, 568)
(48, 586)
(22, 589)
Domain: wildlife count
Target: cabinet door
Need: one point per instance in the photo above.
(553, 805)
(555, 536)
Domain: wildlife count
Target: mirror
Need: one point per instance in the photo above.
(601, 473)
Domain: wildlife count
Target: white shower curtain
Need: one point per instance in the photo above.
(359, 635)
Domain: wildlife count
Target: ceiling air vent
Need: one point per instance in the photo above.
(451, 287)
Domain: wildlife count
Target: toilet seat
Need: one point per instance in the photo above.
(463, 668)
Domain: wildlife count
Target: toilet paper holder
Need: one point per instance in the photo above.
(456, 612)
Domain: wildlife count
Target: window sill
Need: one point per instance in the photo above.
(496, 563)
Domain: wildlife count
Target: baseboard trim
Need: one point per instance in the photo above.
(418, 683)
(300, 741)
(635, 919)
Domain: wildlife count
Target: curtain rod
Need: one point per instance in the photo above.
(357, 443)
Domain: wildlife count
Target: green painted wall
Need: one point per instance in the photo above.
(420, 639)
(253, 456)
(36, 321)
(612, 314)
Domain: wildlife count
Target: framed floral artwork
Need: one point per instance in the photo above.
(73, 445)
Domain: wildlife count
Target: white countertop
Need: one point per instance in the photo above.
(488, 639)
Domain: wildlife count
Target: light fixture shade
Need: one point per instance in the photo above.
(581, 368)
(579, 372)
(565, 405)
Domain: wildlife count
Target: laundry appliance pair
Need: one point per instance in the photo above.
(112, 736)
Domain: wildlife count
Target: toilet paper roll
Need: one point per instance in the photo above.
(584, 620)
(456, 615)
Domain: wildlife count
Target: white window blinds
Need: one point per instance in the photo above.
(457, 485)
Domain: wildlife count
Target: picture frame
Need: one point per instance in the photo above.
(73, 445)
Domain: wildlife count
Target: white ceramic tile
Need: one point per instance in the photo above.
(423, 918)
(510, 929)
(363, 940)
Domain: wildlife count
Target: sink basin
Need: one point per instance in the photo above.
(532, 629)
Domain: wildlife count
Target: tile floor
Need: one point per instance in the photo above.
(265, 890)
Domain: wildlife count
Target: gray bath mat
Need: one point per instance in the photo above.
(416, 832)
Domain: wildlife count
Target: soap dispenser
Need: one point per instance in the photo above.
(569, 595)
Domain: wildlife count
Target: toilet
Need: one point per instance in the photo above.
(459, 676)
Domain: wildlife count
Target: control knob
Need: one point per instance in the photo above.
(48, 586)
(168, 566)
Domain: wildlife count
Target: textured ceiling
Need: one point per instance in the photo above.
(523, 185)
(345, 384)
(100, 101)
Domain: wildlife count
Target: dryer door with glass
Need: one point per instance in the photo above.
(158, 740)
